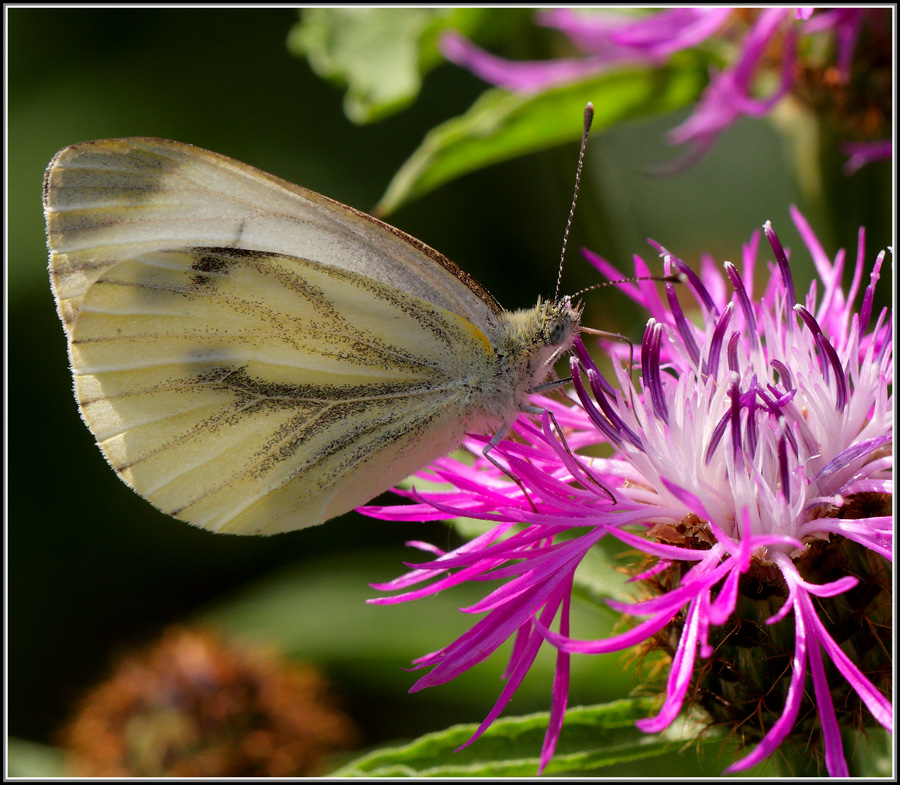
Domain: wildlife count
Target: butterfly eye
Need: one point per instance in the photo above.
(557, 331)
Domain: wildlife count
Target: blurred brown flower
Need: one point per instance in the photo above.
(197, 705)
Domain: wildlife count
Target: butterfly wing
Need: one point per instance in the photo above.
(248, 389)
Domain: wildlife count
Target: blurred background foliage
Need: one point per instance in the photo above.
(93, 570)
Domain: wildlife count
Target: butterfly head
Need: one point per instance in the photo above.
(536, 337)
(559, 321)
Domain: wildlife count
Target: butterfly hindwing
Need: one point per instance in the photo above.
(233, 388)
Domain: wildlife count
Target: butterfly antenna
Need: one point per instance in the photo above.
(588, 119)
(672, 278)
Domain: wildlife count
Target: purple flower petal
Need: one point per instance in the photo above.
(862, 153)
(521, 77)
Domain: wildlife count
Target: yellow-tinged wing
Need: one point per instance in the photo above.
(251, 392)
(253, 357)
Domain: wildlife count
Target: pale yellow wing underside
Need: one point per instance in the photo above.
(250, 356)
(253, 393)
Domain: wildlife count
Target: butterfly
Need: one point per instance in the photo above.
(253, 357)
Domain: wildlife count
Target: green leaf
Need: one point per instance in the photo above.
(379, 54)
(593, 737)
(869, 752)
(318, 613)
(599, 577)
(502, 125)
(33, 760)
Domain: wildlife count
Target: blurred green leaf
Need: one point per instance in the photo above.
(502, 125)
(599, 577)
(33, 760)
(592, 738)
(379, 54)
(319, 613)
(869, 752)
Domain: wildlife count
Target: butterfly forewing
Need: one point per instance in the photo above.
(114, 199)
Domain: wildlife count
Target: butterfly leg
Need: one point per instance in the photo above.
(554, 383)
(575, 462)
(486, 452)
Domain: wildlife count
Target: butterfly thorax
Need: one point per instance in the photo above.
(531, 341)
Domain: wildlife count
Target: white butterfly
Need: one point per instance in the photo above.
(253, 357)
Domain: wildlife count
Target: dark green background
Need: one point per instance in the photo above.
(92, 568)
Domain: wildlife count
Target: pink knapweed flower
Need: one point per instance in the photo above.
(849, 83)
(752, 468)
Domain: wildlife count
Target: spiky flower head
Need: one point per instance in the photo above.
(751, 466)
